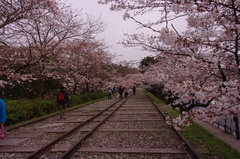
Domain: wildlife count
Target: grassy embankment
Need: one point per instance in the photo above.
(206, 143)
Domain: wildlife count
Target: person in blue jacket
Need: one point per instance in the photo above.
(3, 113)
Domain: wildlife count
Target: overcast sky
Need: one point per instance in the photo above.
(115, 28)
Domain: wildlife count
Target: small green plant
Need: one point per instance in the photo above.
(226, 132)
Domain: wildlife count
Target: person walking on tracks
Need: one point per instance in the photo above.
(114, 90)
(120, 91)
(62, 99)
(109, 93)
(3, 118)
(134, 90)
(125, 90)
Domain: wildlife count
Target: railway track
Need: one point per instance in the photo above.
(129, 128)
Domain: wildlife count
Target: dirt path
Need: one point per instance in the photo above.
(228, 138)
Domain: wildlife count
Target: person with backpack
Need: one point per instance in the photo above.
(3, 118)
(62, 99)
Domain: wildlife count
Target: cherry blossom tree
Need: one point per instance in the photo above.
(198, 67)
(16, 10)
(12, 12)
(33, 43)
(84, 65)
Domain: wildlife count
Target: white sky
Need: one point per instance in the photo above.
(115, 28)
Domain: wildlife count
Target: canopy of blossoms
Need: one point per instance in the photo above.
(198, 67)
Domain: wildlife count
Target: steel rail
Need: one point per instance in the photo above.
(44, 149)
(160, 112)
(75, 147)
(46, 117)
(192, 150)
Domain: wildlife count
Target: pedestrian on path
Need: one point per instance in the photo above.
(125, 90)
(62, 99)
(114, 92)
(3, 118)
(109, 93)
(134, 90)
(120, 90)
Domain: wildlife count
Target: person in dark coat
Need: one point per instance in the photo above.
(134, 90)
(125, 90)
(62, 99)
(120, 91)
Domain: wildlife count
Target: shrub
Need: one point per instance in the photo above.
(76, 100)
(85, 98)
(23, 109)
(93, 96)
(97, 95)
(42, 107)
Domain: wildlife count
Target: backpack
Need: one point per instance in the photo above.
(60, 97)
